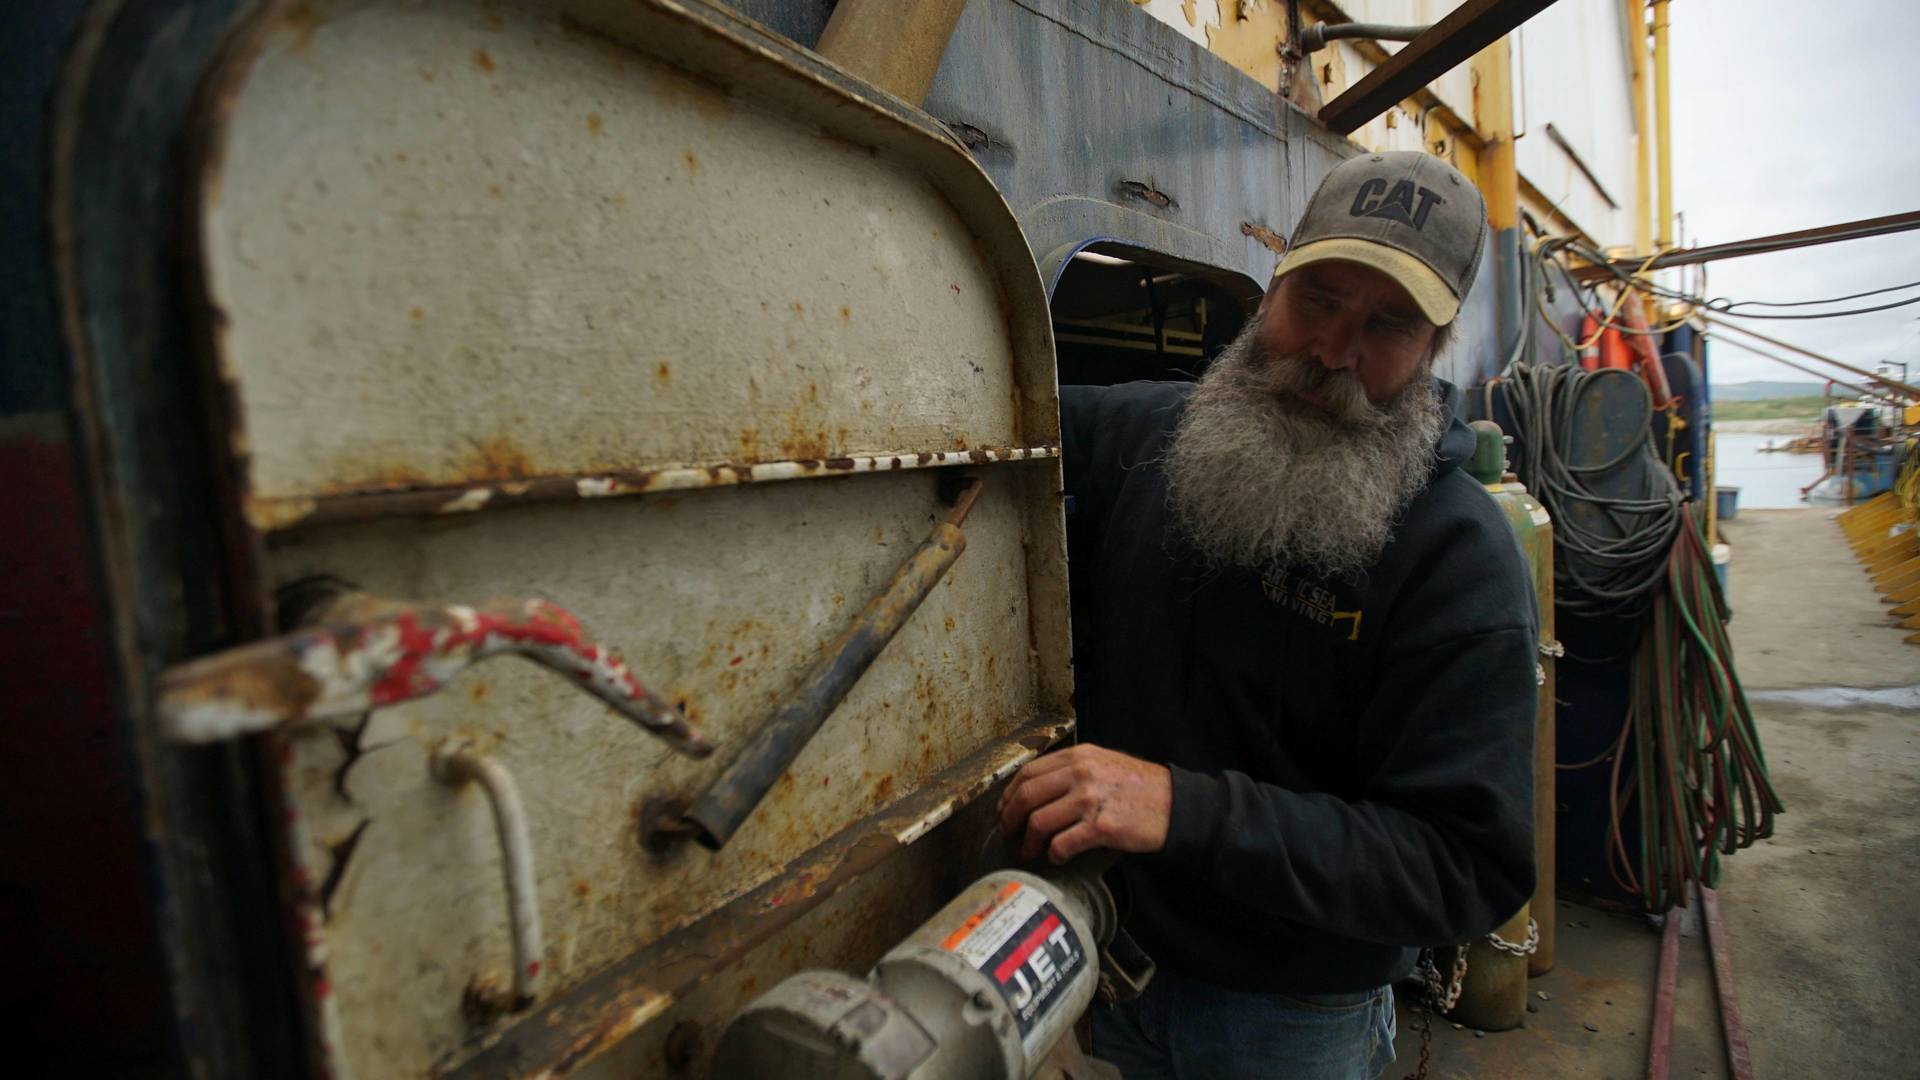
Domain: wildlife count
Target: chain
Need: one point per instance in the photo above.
(1426, 1044)
(1441, 996)
(1508, 947)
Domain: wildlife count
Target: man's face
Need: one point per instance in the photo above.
(1346, 318)
(1309, 433)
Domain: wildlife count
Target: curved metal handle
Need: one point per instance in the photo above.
(366, 652)
(455, 763)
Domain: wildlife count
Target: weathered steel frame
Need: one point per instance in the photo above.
(1466, 30)
(136, 393)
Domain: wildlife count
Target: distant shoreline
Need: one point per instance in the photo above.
(1808, 426)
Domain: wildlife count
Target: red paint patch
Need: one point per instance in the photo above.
(735, 662)
(533, 969)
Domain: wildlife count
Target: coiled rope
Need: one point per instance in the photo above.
(1604, 564)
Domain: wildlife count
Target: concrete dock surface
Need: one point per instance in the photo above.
(1824, 918)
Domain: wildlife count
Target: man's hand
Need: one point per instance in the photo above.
(1087, 797)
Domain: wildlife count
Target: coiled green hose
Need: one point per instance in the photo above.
(1699, 778)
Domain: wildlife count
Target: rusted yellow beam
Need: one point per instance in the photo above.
(894, 46)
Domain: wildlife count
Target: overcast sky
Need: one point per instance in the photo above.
(1790, 116)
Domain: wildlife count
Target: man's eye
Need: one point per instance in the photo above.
(1392, 326)
(1323, 302)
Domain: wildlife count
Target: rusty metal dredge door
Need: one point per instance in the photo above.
(643, 317)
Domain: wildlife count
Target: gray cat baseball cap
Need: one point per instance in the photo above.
(1407, 214)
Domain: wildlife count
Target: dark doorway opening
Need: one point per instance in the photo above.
(1121, 314)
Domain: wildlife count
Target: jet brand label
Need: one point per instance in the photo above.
(1022, 943)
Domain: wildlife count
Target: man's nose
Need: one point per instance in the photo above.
(1336, 346)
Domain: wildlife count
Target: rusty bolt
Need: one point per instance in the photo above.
(683, 1045)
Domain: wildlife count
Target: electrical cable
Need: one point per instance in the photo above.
(1819, 314)
(1723, 304)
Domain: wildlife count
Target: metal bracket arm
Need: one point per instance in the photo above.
(365, 653)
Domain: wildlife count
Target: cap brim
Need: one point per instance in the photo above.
(1434, 299)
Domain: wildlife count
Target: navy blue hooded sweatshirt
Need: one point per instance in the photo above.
(1352, 760)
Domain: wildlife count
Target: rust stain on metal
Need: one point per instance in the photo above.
(595, 125)
(806, 448)
(692, 161)
(1147, 193)
(301, 20)
(483, 61)
(1268, 239)
(971, 136)
(498, 458)
(566, 1031)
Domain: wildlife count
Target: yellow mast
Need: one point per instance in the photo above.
(1663, 121)
(1635, 12)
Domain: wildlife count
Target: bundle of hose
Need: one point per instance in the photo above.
(1614, 518)
(1699, 778)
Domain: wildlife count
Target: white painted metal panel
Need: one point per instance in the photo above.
(1577, 77)
(573, 184)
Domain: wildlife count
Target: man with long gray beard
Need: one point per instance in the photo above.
(1304, 655)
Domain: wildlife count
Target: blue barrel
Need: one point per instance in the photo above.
(1726, 502)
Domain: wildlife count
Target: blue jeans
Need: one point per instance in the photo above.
(1186, 1029)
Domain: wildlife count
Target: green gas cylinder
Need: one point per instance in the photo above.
(1494, 992)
